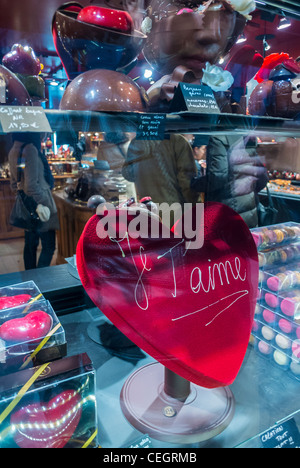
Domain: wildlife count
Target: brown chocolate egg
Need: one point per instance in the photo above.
(16, 93)
(103, 90)
(276, 99)
(260, 98)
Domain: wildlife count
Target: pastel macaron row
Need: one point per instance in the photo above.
(279, 256)
(270, 236)
(287, 303)
(277, 348)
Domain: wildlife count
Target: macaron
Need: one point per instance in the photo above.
(289, 306)
(285, 326)
(274, 283)
(279, 235)
(269, 316)
(267, 333)
(295, 367)
(283, 341)
(257, 238)
(264, 347)
(296, 349)
(280, 358)
(272, 300)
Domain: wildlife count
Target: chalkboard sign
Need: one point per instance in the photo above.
(141, 442)
(284, 435)
(194, 98)
(151, 127)
(23, 119)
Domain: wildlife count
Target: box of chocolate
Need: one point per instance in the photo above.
(19, 294)
(30, 334)
(50, 406)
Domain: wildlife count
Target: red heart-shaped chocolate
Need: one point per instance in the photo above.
(7, 302)
(47, 425)
(190, 309)
(31, 327)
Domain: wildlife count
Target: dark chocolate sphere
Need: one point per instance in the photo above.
(103, 90)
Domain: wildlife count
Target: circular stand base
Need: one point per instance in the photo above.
(204, 414)
(104, 333)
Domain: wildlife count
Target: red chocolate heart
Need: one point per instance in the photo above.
(190, 309)
(8, 302)
(47, 425)
(31, 327)
(107, 18)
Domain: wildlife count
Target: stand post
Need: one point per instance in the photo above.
(175, 386)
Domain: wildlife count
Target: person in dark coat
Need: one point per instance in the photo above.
(37, 182)
(234, 175)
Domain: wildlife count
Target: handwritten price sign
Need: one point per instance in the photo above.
(23, 119)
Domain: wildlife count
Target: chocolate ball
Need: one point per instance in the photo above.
(103, 90)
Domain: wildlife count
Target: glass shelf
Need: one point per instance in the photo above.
(183, 122)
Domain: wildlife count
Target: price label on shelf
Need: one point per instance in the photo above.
(194, 98)
(151, 127)
(285, 435)
(23, 119)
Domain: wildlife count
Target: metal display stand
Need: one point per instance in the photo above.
(158, 402)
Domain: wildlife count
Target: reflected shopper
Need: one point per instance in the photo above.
(36, 182)
(162, 170)
(235, 175)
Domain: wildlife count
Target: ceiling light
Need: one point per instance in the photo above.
(147, 73)
(266, 45)
(284, 23)
(241, 39)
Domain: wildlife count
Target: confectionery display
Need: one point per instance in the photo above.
(30, 332)
(279, 255)
(95, 38)
(276, 328)
(58, 412)
(94, 43)
(284, 187)
(185, 45)
(23, 62)
(167, 310)
(123, 301)
(16, 93)
(276, 235)
(17, 294)
(278, 82)
(103, 90)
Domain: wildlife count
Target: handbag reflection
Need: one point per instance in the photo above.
(267, 215)
(26, 213)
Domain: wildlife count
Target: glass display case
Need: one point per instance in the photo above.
(171, 317)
